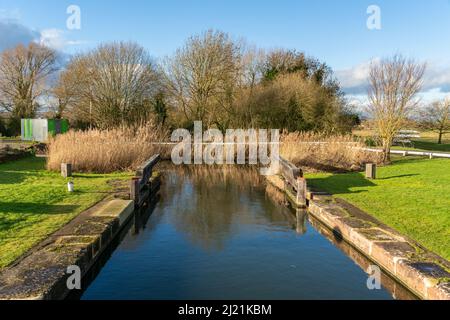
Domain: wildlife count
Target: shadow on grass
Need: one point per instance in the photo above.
(90, 176)
(400, 176)
(12, 177)
(341, 183)
(8, 224)
(35, 208)
(431, 146)
(17, 171)
(20, 214)
(92, 192)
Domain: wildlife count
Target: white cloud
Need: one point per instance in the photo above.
(13, 33)
(434, 94)
(53, 38)
(354, 80)
(436, 79)
(57, 39)
(358, 102)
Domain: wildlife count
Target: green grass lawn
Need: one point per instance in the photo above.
(34, 203)
(427, 146)
(427, 142)
(411, 195)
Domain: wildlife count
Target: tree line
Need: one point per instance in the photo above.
(213, 78)
(223, 82)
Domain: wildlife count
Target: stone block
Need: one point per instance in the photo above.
(371, 171)
(66, 170)
(120, 209)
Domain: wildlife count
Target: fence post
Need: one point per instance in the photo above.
(134, 191)
(371, 171)
(66, 170)
(301, 191)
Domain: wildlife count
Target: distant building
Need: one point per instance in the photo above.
(41, 129)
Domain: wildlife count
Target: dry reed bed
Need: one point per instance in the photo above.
(324, 152)
(105, 151)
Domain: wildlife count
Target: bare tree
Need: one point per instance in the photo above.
(24, 71)
(436, 117)
(110, 86)
(202, 75)
(252, 66)
(393, 84)
(251, 74)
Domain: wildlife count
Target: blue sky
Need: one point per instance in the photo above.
(334, 31)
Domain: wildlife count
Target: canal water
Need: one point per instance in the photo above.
(224, 234)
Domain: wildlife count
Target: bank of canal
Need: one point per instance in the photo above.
(224, 234)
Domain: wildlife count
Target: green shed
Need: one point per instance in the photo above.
(41, 129)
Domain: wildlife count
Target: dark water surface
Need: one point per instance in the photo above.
(224, 235)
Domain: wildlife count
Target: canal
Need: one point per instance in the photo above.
(225, 234)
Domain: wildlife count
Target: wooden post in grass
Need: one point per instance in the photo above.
(371, 171)
(66, 170)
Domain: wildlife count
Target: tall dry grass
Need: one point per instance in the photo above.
(105, 151)
(324, 152)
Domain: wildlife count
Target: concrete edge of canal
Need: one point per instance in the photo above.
(418, 269)
(42, 275)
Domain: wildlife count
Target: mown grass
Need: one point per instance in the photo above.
(411, 195)
(431, 145)
(34, 203)
(425, 146)
(426, 142)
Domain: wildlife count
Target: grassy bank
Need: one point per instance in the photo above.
(34, 203)
(411, 195)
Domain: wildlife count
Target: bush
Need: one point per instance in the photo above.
(329, 153)
(105, 151)
(10, 127)
(3, 129)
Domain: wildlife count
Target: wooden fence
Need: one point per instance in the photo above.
(405, 153)
(142, 186)
(295, 183)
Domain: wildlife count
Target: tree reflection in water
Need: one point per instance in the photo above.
(212, 203)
